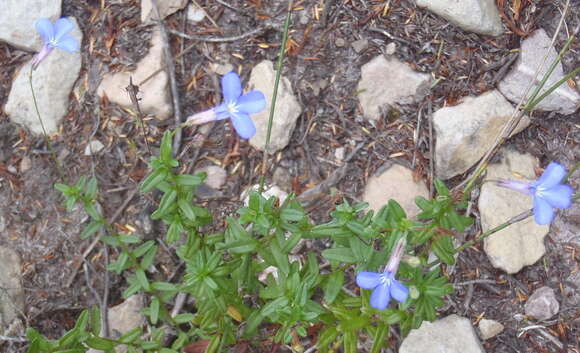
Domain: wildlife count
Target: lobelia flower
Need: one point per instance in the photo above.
(54, 36)
(384, 285)
(548, 192)
(236, 106)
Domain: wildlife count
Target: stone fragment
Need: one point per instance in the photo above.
(360, 45)
(53, 81)
(194, 13)
(93, 147)
(285, 115)
(18, 18)
(564, 99)
(25, 165)
(521, 244)
(478, 16)
(124, 318)
(391, 48)
(166, 8)
(542, 304)
(452, 334)
(340, 42)
(385, 82)
(489, 328)
(269, 191)
(216, 176)
(11, 292)
(396, 183)
(465, 132)
(154, 93)
(221, 68)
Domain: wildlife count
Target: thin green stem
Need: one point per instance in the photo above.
(46, 138)
(279, 64)
(482, 236)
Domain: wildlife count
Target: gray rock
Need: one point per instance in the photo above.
(286, 112)
(194, 13)
(269, 191)
(11, 292)
(340, 42)
(360, 45)
(564, 99)
(53, 81)
(453, 334)
(123, 318)
(489, 328)
(479, 16)
(385, 82)
(166, 8)
(465, 132)
(17, 19)
(521, 244)
(93, 147)
(216, 176)
(542, 304)
(396, 183)
(154, 93)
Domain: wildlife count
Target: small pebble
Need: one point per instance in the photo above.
(93, 147)
(222, 69)
(542, 304)
(489, 328)
(391, 48)
(360, 45)
(195, 14)
(216, 176)
(339, 42)
(25, 164)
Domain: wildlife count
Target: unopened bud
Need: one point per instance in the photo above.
(413, 261)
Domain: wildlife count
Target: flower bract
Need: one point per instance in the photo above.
(54, 35)
(547, 192)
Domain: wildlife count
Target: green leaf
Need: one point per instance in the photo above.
(164, 286)
(187, 209)
(190, 180)
(379, 338)
(166, 152)
(350, 341)
(184, 318)
(148, 258)
(65, 189)
(91, 229)
(92, 211)
(91, 191)
(109, 240)
(333, 285)
(274, 305)
(154, 310)
(153, 180)
(442, 190)
(174, 231)
(142, 278)
(281, 259)
(165, 204)
(143, 248)
(241, 246)
(131, 335)
(291, 215)
(129, 239)
(443, 248)
(95, 319)
(339, 254)
(100, 343)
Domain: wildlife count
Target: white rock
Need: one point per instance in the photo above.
(25, 165)
(465, 132)
(339, 154)
(269, 191)
(17, 19)
(453, 334)
(53, 81)
(396, 183)
(194, 13)
(93, 147)
(564, 99)
(489, 328)
(385, 82)
(123, 318)
(479, 16)
(11, 292)
(216, 176)
(360, 45)
(154, 93)
(542, 304)
(521, 244)
(166, 8)
(286, 112)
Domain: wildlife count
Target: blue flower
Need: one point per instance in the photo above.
(236, 106)
(548, 192)
(54, 36)
(384, 285)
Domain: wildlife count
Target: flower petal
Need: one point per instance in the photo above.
(380, 297)
(221, 112)
(231, 87)
(45, 28)
(368, 280)
(62, 27)
(398, 291)
(244, 125)
(252, 102)
(552, 176)
(543, 212)
(68, 43)
(516, 185)
(560, 196)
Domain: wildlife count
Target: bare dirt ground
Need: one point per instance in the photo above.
(324, 71)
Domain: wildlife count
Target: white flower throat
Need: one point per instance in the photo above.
(232, 107)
